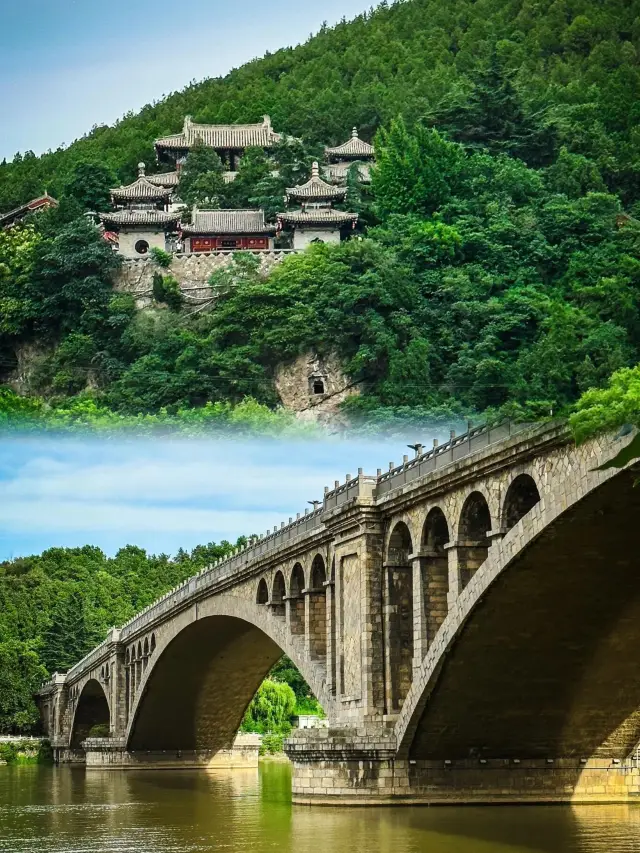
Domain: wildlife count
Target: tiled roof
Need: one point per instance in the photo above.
(353, 149)
(233, 136)
(141, 190)
(164, 179)
(228, 222)
(323, 216)
(18, 213)
(134, 218)
(316, 189)
(338, 172)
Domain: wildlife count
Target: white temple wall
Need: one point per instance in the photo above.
(129, 239)
(304, 238)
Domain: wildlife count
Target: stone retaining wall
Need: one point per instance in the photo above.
(192, 272)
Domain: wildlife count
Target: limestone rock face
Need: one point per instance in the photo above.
(314, 386)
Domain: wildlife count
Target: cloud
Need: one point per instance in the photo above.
(161, 494)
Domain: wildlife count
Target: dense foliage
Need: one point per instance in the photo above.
(574, 66)
(56, 607)
(499, 271)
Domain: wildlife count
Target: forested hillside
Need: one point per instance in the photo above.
(575, 63)
(496, 269)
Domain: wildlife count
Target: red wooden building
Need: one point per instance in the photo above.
(227, 230)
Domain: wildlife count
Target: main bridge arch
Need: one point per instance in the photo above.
(207, 665)
(537, 659)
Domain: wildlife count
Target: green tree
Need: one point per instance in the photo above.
(492, 118)
(90, 185)
(271, 709)
(202, 179)
(21, 675)
(415, 172)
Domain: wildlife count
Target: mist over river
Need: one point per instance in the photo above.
(64, 810)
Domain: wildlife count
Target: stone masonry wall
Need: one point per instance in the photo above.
(192, 272)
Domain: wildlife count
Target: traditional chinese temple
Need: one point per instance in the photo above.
(316, 220)
(141, 218)
(227, 230)
(230, 141)
(342, 158)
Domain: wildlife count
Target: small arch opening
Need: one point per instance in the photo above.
(398, 595)
(435, 572)
(262, 596)
(522, 496)
(278, 593)
(318, 609)
(473, 543)
(153, 643)
(296, 600)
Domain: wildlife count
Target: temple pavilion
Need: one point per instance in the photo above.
(230, 141)
(141, 218)
(227, 230)
(342, 158)
(316, 221)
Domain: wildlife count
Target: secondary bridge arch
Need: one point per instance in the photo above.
(207, 666)
(91, 710)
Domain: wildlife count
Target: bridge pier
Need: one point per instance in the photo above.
(341, 767)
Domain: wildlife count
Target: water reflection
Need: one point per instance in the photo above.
(63, 810)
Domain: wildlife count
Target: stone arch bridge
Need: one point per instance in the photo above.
(469, 620)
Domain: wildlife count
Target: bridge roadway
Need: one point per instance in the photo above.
(468, 620)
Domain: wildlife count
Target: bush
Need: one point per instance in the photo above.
(162, 258)
(167, 289)
(272, 744)
(101, 730)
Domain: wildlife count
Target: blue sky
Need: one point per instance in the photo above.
(161, 494)
(66, 65)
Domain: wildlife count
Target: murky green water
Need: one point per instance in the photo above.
(60, 810)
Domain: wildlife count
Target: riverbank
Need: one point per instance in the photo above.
(25, 751)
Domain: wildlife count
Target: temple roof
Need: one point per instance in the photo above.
(316, 189)
(141, 190)
(228, 222)
(164, 179)
(139, 218)
(321, 216)
(19, 213)
(339, 172)
(222, 136)
(354, 149)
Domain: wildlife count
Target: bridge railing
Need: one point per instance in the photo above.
(361, 486)
(458, 447)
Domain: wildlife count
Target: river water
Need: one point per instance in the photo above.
(60, 810)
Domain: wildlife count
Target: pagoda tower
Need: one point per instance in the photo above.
(140, 218)
(316, 221)
(342, 158)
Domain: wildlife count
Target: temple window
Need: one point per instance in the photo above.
(142, 247)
